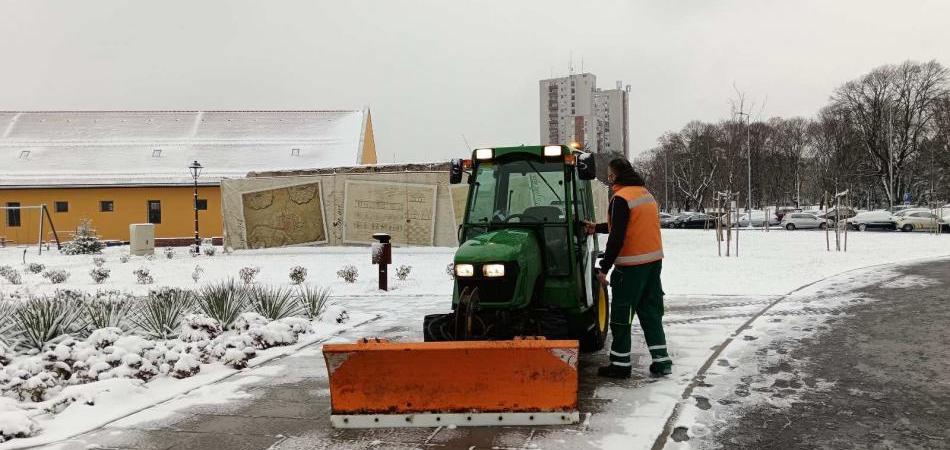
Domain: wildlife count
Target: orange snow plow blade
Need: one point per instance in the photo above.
(519, 382)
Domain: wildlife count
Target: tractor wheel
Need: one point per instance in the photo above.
(595, 336)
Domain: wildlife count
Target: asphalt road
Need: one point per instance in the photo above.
(890, 362)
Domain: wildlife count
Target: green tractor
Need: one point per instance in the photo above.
(525, 266)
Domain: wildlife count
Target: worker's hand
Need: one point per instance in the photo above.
(589, 227)
(602, 277)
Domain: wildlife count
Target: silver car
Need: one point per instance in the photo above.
(799, 220)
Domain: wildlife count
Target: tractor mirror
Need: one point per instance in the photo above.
(586, 169)
(455, 173)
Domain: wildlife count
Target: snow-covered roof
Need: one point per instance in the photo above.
(94, 148)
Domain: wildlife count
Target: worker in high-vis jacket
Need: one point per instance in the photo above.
(635, 252)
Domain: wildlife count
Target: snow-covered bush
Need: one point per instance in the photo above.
(210, 250)
(43, 319)
(4, 270)
(12, 276)
(35, 268)
(273, 302)
(15, 423)
(298, 274)
(312, 300)
(150, 257)
(99, 274)
(159, 314)
(273, 334)
(223, 301)
(402, 272)
(450, 269)
(247, 274)
(186, 366)
(107, 309)
(342, 317)
(199, 327)
(124, 259)
(84, 242)
(348, 273)
(98, 261)
(56, 276)
(196, 274)
(143, 275)
(169, 252)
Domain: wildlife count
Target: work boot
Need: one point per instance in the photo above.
(661, 369)
(612, 371)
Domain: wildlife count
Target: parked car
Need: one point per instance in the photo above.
(666, 220)
(909, 210)
(877, 220)
(918, 221)
(696, 220)
(758, 219)
(799, 220)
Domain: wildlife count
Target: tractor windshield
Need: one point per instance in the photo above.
(518, 191)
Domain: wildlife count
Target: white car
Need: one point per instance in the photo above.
(758, 219)
(798, 220)
(918, 221)
(881, 220)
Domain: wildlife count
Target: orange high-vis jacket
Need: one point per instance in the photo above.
(641, 243)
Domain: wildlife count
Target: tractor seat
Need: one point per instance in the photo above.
(545, 213)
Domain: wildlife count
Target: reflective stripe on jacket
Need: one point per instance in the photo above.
(642, 243)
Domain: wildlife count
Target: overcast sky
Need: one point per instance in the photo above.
(432, 71)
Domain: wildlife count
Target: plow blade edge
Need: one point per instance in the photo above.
(518, 382)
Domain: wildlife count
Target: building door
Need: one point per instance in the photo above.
(154, 211)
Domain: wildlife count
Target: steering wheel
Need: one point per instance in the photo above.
(508, 219)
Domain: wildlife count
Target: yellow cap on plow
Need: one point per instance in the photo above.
(518, 382)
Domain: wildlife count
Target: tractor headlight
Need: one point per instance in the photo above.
(552, 150)
(464, 270)
(484, 153)
(493, 270)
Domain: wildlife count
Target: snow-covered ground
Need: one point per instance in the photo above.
(770, 265)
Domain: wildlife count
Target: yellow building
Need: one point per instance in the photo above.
(117, 168)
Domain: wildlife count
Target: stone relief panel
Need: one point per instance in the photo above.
(284, 216)
(403, 210)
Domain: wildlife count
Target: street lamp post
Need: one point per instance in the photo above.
(195, 169)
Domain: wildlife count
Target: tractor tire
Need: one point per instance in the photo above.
(790, 227)
(594, 335)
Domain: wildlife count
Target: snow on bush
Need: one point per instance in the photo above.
(160, 313)
(99, 274)
(450, 270)
(298, 274)
(247, 274)
(402, 272)
(223, 301)
(15, 422)
(124, 259)
(35, 268)
(196, 274)
(107, 309)
(98, 261)
(40, 320)
(273, 302)
(199, 327)
(169, 252)
(342, 317)
(348, 273)
(210, 250)
(313, 300)
(11, 275)
(56, 276)
(84, 242)
(143, 275)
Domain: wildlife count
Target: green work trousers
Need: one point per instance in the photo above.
(637, 290)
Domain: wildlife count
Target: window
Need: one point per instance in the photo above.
(106, 206)
(154, 211)
(202, 204)
(25, 154)
(13, 214)
(295, 152)
(157, 153)
(62, 207)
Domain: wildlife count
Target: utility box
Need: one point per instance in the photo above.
(142, 239)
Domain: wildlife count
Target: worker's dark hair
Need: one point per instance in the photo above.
(626, 175)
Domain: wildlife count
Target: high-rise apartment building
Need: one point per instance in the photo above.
(573, 110)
